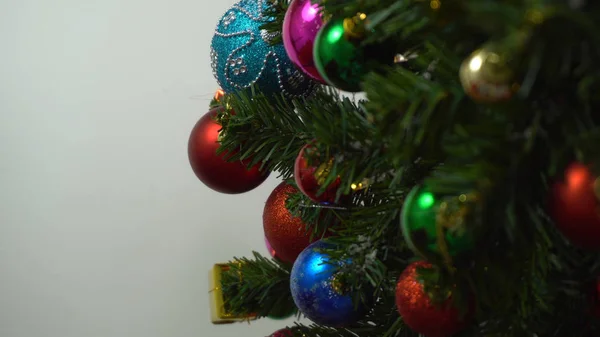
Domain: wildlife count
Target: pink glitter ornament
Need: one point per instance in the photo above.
(300, 27)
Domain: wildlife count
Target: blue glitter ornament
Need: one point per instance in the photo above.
(241, 55)
(318, 292)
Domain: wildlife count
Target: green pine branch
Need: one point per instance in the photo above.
(257, 286)
(418, 126)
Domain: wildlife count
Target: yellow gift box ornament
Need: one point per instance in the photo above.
(219, 314)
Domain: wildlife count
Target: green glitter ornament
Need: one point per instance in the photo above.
(435, 225)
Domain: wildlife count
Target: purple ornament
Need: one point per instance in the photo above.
(300, 27)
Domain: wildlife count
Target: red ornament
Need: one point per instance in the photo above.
(214, 170)
(310, 176)
(283, 333)
(418, 311)
(286, 234)
(576, 206)
(272, 251)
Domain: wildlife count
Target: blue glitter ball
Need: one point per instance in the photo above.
(241, 55)
(317, 293)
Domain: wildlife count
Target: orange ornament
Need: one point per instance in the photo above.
(418, 311)
(286, 234)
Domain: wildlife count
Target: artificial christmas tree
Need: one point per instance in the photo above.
(479, 107)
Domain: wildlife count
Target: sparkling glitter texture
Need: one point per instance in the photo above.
(417, 310)
(312, 286)
(241, 55)
(286, 234)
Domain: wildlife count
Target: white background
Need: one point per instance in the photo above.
(104, 229)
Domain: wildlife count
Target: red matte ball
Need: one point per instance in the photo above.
(418, 311)
(307, 175)
(214, 170)
(286, 234)
(575, 206)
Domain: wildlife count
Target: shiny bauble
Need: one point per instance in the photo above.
(287, 234)
(242, 55)
(270, 249)
(419, 312)
(300, 27)
(575, 206)
(310, 174)
(214, 170)
(421, 216)
(318, 292)
(486, 76)
(282, 333)
(339, 56)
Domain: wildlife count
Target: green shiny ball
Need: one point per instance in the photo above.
(419, 221)
(339, 57)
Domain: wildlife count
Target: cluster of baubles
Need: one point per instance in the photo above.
(313, 51)
(317, 51)
(436, 228)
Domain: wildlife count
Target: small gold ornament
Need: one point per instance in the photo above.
(322, 171)
(355, 27)
(219, 314)
(486, 77)
(365, 183)
(339, 285)
(219, 94)
(451, 217)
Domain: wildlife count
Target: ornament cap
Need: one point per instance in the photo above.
(435, 226)
(355, 27)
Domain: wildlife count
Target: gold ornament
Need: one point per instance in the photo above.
(451, 217)
(339, 285)
(355, 27)
(219, 94)
(365, 183)
(219, 314)
(486, 77)
(323, 171)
